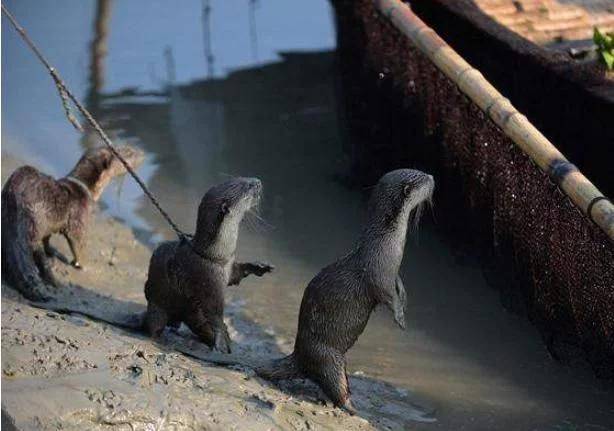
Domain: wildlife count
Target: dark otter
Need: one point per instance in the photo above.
(35, 206)
(338, 302)
(186, 279)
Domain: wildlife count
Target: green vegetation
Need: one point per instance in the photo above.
(605, 47)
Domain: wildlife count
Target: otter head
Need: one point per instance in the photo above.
(220, 212)
(397, 195)
(98, 166)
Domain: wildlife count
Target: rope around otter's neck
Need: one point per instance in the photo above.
(67, 96)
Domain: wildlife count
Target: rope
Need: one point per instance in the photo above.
(67, 95)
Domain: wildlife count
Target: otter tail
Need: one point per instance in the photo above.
(18, 266)
(280, 369)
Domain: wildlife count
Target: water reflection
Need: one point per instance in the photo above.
(276, 122)
(99, 50)
(207, 38)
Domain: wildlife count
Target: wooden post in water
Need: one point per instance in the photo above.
(515, 125)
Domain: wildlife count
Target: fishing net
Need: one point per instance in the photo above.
(546, 258)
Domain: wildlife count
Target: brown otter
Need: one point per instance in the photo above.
(338, 302)
(36, 206)
(186, 279)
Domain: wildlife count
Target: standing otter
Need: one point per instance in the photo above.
(338, 302)
(36, 206)
(186, 280)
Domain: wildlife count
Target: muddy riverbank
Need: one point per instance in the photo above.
(66, 371)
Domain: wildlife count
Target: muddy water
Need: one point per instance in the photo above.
(265, 106)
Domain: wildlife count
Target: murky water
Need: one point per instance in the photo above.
(265, 106)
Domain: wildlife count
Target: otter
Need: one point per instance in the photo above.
(186, 279)
(337, 303)
(36, 206)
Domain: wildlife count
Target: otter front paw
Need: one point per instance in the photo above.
(260, 268)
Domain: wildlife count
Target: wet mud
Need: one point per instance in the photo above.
(65, 369)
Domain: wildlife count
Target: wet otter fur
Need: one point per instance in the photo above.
(186, 280)
(36, 206)
(337, 303)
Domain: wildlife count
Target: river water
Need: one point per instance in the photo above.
(248, 88)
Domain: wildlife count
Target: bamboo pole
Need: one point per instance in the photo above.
(515, 125)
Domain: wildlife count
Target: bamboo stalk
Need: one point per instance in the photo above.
(515, 125)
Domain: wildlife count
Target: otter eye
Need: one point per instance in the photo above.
(407, 189)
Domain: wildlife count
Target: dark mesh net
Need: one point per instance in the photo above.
(544, 255)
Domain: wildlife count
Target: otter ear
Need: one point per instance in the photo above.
(224, 208)
(407, 189)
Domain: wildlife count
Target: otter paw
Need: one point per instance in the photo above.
(260, 268)
(222, 343)
(349, 408)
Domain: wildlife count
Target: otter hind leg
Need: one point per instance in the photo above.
(213, 335)
(24, 272)
(155, 319)
(327, 367)
(19, 267)
(44, 266)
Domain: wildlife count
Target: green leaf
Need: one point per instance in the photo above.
(605, 47)
(608, 58)
(598, 37)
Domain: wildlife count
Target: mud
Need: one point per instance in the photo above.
(65, 370)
